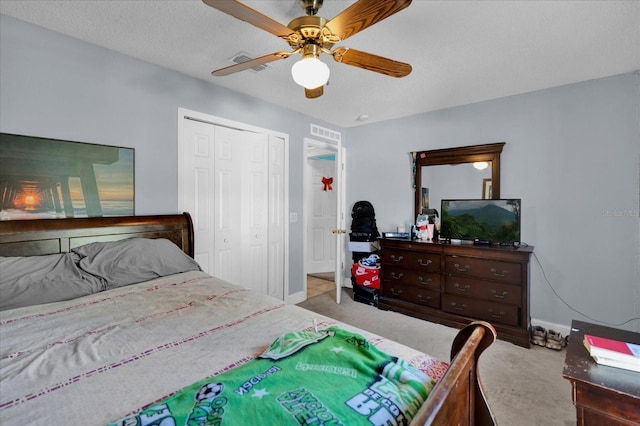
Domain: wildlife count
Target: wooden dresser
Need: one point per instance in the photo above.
(454, 284)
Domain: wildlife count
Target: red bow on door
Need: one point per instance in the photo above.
(327, 183)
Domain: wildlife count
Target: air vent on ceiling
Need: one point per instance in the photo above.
(243, 57)
(323, 132)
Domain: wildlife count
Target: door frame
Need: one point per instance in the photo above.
(224, 122)
(314, 148)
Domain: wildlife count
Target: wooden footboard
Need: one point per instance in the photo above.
(458, 398)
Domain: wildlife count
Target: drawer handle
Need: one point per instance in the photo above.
(495, 272)
(463, 269)
(455, 306)
(427, 263)
(396, 276)
(396, 292)
(423, 282)
(461, 288)
(495, 315)
(427, 298)
(396, 258)
(500, 296)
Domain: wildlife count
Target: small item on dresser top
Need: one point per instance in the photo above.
(402, 235)
(422, 223)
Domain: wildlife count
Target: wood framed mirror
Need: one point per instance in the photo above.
(488, 186)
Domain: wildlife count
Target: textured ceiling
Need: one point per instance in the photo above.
(461, 51)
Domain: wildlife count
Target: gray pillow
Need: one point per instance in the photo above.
(133, 260)
(33, 280)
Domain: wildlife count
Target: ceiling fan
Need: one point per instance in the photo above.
(312, 35)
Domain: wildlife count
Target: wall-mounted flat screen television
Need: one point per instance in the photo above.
(486, 221)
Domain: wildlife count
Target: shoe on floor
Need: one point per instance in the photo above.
(538, 335)
(555, 340)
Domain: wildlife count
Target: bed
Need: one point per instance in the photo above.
(140, 324)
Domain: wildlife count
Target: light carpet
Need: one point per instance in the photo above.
(522, 386)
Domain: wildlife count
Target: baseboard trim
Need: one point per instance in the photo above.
(346, 283)
(295, 298)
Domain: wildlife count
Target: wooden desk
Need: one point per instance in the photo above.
(602, 395)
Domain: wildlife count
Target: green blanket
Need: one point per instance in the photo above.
(332, 377)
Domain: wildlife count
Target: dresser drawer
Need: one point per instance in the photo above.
(488, 311)
(411, 294)
(422, 279)
(488, 290)
(412, 259)
(495, 270)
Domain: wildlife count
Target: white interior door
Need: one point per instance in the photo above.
(335, 233)
(340, 231)
(321, 253)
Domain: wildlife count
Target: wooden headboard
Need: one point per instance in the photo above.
(49, 236)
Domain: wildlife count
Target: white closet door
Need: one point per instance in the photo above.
(227, 204)
(277, 215)
(253, 168)
(196, 184)
(233, 184)
(240, 204)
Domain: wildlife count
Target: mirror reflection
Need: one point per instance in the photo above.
(454, 181)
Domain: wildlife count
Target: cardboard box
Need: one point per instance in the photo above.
(364, 246)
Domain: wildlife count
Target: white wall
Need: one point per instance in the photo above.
(572, 155)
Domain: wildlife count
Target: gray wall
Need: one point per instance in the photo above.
(57, 87)
(572, 155)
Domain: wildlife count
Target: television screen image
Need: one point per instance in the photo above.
(488, 221)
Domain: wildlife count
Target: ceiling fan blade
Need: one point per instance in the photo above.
(371, 62)
(250, 63)
(314, 93)
(362, 15)
(252, 16)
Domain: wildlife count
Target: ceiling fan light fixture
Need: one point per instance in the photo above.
(310, 72)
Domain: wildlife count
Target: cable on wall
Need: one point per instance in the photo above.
(571, 307)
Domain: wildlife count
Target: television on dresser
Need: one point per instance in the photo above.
(491, 222)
